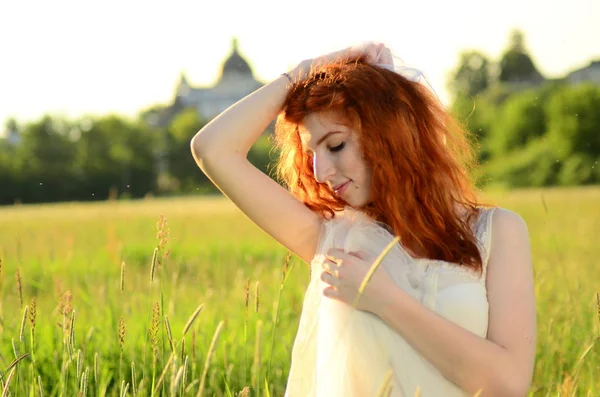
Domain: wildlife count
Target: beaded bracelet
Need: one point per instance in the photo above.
(288, 76)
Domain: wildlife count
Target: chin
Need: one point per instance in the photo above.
(358, 203)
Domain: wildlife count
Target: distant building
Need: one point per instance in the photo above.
(11, 133)
(235, 82)
(590, 73)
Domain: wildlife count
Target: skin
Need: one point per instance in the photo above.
(337, 159)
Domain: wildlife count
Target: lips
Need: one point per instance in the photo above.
(339, 189)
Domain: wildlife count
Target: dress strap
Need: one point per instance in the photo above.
(485, 236)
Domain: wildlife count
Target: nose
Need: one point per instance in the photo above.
(323, 168)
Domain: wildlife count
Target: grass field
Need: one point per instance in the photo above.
(96, 300)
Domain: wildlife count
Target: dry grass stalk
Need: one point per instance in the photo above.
(71, 337)
(177, 380)
(153, 331)
(40, 386)
(83, 382)
(162, 234)
(373, 268)
(567, 388)
(121, 332)
(33, 314)
(245, 392)
(23, 322)
(16, 361)
(192, 318)
(122, 275)
(5, 391)
(256, 297)
(133, 387)
(153, 266)
(78, 364)
(286, 264)
(209, 356)
(169, 334)
(185, 370)
(96, 368)
(65, 309)
(14, 346)
(386, 386)
(182, 352)
(19, 287)
(124, 389)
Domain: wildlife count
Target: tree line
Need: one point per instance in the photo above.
(530, 131)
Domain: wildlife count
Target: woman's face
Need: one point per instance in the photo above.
(337, 157)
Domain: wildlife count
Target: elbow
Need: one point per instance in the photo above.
(197, 147)
(200, 147)
(514, 385)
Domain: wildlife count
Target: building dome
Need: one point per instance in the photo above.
(235, 63)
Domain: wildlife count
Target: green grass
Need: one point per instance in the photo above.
(69, 258)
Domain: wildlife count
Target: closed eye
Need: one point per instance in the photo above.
(338, 147)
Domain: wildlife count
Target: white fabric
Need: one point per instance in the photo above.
(340, 351)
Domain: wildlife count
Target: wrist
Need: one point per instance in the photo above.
(300, 71)
(390, 300)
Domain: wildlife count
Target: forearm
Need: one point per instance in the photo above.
(471, 362)
(236, 129)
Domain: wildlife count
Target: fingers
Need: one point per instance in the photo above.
(338, 255)
(329, 278)
(332, 268)
(335, 254)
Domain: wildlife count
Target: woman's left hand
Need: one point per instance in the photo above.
(345, 272)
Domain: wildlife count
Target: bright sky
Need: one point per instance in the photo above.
(83, 57)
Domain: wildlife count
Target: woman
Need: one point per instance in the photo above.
(368, 154)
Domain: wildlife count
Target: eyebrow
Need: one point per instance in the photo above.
(326, 135)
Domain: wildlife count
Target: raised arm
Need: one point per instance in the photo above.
(220, 150)
(221, 147)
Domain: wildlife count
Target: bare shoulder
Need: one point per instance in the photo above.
(507, 221)
(510, 245)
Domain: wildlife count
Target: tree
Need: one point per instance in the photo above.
(472, 75)
(574, 132)
(114, 154)
(44, 161)
(522, 118)
(516, 65)
(181, 163)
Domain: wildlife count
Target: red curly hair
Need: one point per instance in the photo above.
(418, 154)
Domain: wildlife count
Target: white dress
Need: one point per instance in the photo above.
(340, 351)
